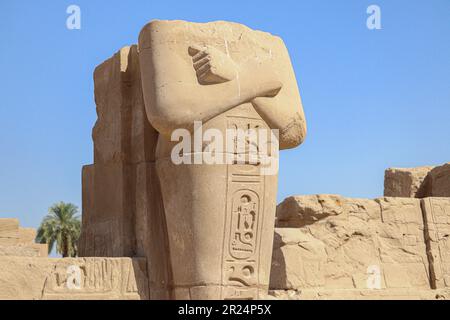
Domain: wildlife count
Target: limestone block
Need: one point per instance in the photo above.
(418, 182)
(298, 211)
(359, 294)
(18, 241)
(108, 217)
(402, 243)
(150, 230)
(42, 249)
(123, 215)
(405, 182)
(335, 243)
(19, 250)
(23, 277)
(437, 232)
(108, 278)
(283, 295)
(27, 235)
(122, 205)
(9, 231)
(109, 128)
(298, 260)
(122, 132)
(439, 181)
(73, 278)
(25, 250)
(334, 252)
(362, 210)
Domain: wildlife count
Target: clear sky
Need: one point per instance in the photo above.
(373, 98)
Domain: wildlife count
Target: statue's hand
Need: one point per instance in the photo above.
(211, 65)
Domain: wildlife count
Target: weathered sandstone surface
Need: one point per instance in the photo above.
(439, 181)
(437, 234)
(57, 278)
(330, 246)
(418, 182)
(18, 241)
(122, 206)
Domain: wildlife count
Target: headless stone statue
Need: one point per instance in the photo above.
(205, 228)
(220, 217)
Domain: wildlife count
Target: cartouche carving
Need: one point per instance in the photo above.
(243, 224)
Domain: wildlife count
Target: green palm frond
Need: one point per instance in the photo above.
(62, 226)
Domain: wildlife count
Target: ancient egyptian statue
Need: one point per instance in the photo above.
(206, 227)
(220, 217)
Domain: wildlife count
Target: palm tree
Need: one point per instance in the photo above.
(63, 226)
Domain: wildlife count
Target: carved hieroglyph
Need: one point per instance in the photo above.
(220, 226)
(219, 216)
(107, 278)
(34, 278)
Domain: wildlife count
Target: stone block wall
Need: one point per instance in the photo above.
(439, 181)
(18, 241)
(9, 232)
(73, 278)
(336, 247)
(437, 232)
(418, 182)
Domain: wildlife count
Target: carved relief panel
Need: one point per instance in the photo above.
(244, 217)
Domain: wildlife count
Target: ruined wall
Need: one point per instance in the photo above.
(55, 278)
(418, 182)
(18, 241)
(335, 247)
(27, 273)
(122, 209)
(326, 247)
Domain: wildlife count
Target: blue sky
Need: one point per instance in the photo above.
(373, 98)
